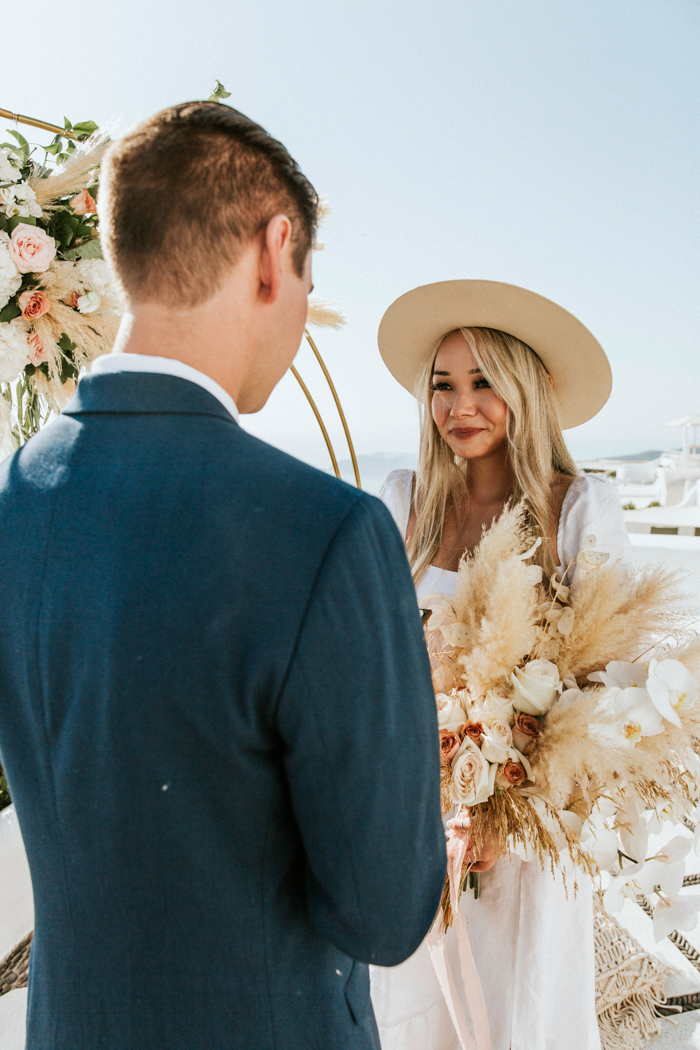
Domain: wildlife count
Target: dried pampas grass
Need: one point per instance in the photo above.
(620, 613)
(323, 314)
(78, 172)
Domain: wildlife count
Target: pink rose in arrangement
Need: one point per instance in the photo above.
(449, 746)
(31, 249)
(525, 732)
(72, 299)
(84, 203)
(37, 349)
(33, 305)
(474, 730)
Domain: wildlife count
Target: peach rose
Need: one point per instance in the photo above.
(33, 305)
(72, 300)
(449, 746)
(31, 249)
(474, 730)
(525, 732)
(84, 203)
(513, 773)
(37, 350)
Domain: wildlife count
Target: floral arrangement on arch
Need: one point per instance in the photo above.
(58, 308)
(568, 717)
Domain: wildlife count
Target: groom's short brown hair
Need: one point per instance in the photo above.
(186, 190)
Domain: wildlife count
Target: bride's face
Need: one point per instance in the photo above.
(471, 418)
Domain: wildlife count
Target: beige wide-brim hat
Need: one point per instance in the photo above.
(414, 324)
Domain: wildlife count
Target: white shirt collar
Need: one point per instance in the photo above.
(165, 366)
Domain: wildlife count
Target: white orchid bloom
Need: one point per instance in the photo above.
(623, 887)
(672, 688)
(601, 842)
(621, 674)
(634, 716)
(635, 840)
(681, 914)
(665, 871)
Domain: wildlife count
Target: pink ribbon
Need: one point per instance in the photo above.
(470, 978)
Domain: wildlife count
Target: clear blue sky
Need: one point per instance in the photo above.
(549, 143)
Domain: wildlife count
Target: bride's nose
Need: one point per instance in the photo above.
(463, 406)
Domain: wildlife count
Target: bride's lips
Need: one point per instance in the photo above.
(466, 432)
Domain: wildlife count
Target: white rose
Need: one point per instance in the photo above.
(19, 199)
(14, 349)
(535, 687)
(89, 302)
(497, 742)
(496, 708)
(451, 714)
(9, 172)
(10, 277)
(473, 777)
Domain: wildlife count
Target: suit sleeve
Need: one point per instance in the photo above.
(357, 715)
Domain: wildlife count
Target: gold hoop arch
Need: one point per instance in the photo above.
(20, 118)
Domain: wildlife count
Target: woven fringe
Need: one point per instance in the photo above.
(629, 987)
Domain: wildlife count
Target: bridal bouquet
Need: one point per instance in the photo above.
(568, 721)
(58, 309)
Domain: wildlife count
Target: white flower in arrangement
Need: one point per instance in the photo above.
(94, 274)
(89, 302)
(451, 714)
(10, 277)
(635, 716)
(672, 688)
(623, 887)
(681, 914)
(535, 687)
(19, 199)
(9, 166)
(497, 742)
(598, 838)
(473, 778)
(14, 349)
(621, 674)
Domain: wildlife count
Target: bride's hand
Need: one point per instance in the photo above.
(488, 854)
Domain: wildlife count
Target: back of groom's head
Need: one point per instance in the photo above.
(185, 192)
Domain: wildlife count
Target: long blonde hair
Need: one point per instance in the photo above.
(536, 447)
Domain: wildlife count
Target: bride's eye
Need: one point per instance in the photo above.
(441, 386)
(482, 384)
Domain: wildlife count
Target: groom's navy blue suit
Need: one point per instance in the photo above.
(217, 722)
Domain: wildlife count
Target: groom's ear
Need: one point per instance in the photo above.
(276, 257)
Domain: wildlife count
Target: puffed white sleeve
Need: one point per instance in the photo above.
(395, 494)
(592, 508)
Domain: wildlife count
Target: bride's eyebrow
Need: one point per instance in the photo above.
(472, 372)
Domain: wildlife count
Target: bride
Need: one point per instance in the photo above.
(498, 372)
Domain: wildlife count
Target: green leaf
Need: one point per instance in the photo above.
(85, 128)
(218, 93)
(90, 250)
(66, 344)
(15, 220)
(20, 138)
(67, 124)
(9, 312)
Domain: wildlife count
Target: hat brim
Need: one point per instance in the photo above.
(416, 321)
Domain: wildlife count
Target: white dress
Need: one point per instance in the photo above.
(533, 947)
